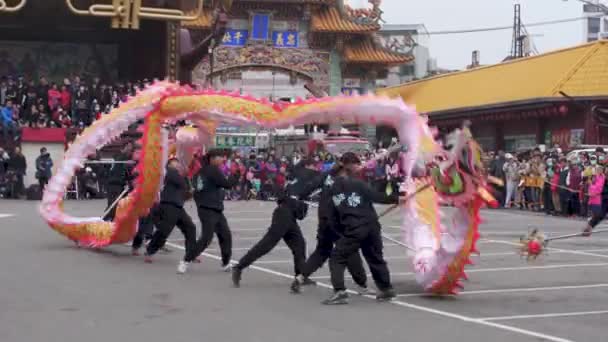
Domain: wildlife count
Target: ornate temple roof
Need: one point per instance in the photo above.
(367, 51)
(330, 19)
(580, 71)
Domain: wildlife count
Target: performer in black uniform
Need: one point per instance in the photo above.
(284, 224)
(328, 232)
(352, 201)
(119, 178)
(209, 185)
(171, 213)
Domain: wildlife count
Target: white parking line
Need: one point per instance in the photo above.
(502, 269)
(6, 215)
(548, 315)
(516, 290)
(416, 307)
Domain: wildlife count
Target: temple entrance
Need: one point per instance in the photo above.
(270, 83)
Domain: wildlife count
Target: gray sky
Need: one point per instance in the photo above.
(454, 51)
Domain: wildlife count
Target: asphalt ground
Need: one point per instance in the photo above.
(53, 291)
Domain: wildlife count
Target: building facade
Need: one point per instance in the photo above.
(409, 39)
(595, 26)
(274, 48)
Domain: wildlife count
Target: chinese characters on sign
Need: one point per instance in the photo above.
(234, 141)
(288, 39)
(235, 37)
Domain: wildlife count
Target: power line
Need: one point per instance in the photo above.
(510, 27)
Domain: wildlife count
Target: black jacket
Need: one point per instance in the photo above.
(209, 185)
(324, 182)
(175, 190)
(352, 202)
(18, 164)
(298, 182)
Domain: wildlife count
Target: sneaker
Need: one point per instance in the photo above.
(296, 286)
(197, 260)
(338, 298)
(147, 258)
(364, 291)
(165, 249)
(308, 282)
(236, 277)
(587, 231)
(386, 295)
(227, 267)
(135, 252)
(182, 267)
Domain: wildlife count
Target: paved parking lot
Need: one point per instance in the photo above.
(53, 291)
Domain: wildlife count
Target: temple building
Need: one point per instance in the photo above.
(557, 98)
(275, 48)
(295, 48)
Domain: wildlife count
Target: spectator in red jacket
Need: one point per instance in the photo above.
(54, 97)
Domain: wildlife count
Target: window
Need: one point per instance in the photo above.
(260, 25)
(407, 70)
(593, 25)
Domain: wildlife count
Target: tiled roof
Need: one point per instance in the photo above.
(367, 51)
(577, 71)
(330, 19)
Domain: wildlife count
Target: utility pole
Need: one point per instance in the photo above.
(517, 43)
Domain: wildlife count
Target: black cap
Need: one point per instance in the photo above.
(599, 150)
(350, 158)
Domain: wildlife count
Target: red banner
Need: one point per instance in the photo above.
(56, 135)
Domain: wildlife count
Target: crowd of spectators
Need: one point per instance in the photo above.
(552, 182)
(71, 103)
(262, 174)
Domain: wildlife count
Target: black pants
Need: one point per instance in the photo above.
(145, 229)
(368, 238)
(170, 216)
(564, 199)
(596, 219)
(214, 222)
(19, 186)
(547, 199)
(326, 237)
(43, 181)
(113, 192)
(284, 226)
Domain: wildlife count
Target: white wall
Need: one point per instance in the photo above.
(31, 151)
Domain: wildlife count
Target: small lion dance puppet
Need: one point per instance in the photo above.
(532, 245)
